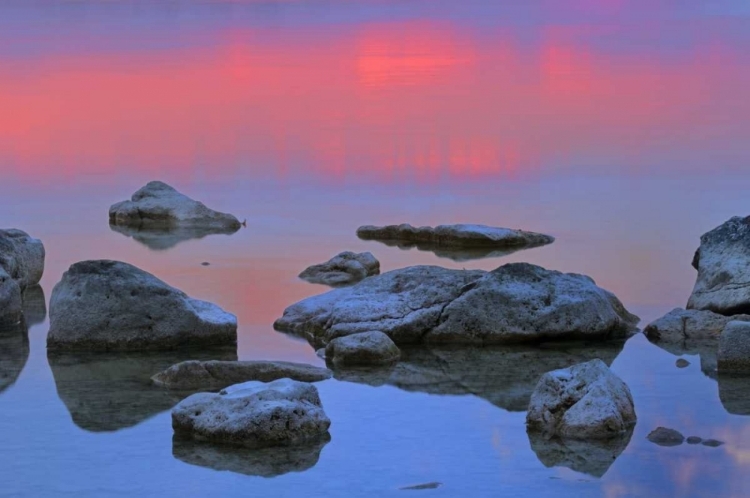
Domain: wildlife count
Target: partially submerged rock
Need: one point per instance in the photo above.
(214, 375)
(365, 348)
(109, 305)
(159, 238)
(158, 204)
(461, 235)
(593, 457)
(254, 414)
(585, 401)
(694, 440)
(21, 266)
(345, 268)
(680, 325)
(515, 303)
(14, 337)
(666, 437)
(723, 264)
(734, 348)
(682, 363)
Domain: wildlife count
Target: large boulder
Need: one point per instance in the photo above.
(158, 204)
(734, 348)
(723, 264)
(21, 266)
(365, 348)
(110, 305)
(345, 268)
(585, 401)
(254, 414)
(214, 375)
(460, 235)
(515, 303)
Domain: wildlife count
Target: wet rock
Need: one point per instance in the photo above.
(345, 268)
(734, 348)
(109, 305)
(593, 457)
(461, 235)
(14, 337)
(585, 401)
(666, 437)
(159, 238)
(694, 440)
(723, 264)
(160, 205)
(21, 266)
(34, 305)
(366, 348)
(712, 443)
(417, 487)
(515, 303)
(680, 325)
(107, 392)
(734, 393)
(682, 363)
(254, 414)
(214, 375)
(262, 462)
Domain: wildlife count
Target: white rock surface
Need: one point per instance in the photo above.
(365, 348)
(345, 268)
(460, 235)
(734, 348)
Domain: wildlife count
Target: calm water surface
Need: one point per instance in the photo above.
(620, 127)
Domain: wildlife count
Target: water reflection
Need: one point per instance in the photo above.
(734, 393)
(455, 254)
(265, 462)
(593, 457)
(161, 239)
(14, 339)
(110, 391)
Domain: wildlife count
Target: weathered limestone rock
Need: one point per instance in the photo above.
(734, 348)
(461, 235)
(365, 348)
(345, 268)
(109, 305)
(585, 401)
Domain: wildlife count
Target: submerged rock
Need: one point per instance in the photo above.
(21, 266)
(345, 268)
(162, 239)
(366, 348)
(593, 457)
(585, 401)
(213, 375)
(680, 325)
(734, 348)
(262, 462)
(254, 414)
(158, 204)
(723, 264)
(515, 303)
(461, 235)
(109, 305)
(665, 437)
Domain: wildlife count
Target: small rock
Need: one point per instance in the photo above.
(694, 440)
(682, 363)
(344, 269)
(366, 348)
(712, 443)
(666, 437)
(734, 348)
(429, 485)
(205, 263)
(21, 267)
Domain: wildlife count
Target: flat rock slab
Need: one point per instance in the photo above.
(254, 414)
(666, 437)
(110, 305)
(585, 401)
(366, 348)
(158, 204)
(345, 268)
(214, 375)
(734, 348)
(460, 235)
(515, 303)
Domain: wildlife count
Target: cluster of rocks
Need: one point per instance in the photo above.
(663, 436)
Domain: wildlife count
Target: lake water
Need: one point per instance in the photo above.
(621, 127)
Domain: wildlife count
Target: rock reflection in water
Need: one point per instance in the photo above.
(454, 253)
(593, 457)
(111, 391)
(504, 376)
(14, 338)
(264, 462)
(705, 348)
(161, 239)
(734, 393)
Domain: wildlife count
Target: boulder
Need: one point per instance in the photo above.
(21, 266)
(344, 269)
(158, 204)
(734, 348)
(723, 264)
(254, 414)
(14, 337)
(593, 457)
(159, 238)
(214, 375)
(109, 305)
(515, 303)
(680, 325)
(461, 235)
(585, 401)
(11, 310)
(666, 437)
(365, 348)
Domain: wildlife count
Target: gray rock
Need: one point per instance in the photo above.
(712, 443)
(21, 266)
(665, 437)
(11, 308)
(723, 264)
(515, 303)
(214, 375)
(254, 414)
(262, 462)
(734, 348)
(418, 487)
(345, 268)
(680, 325)
(461, 235)
(585, 401)
(694, 440)
(109, 305)
(365, 348)
(159, 205)
(14, 337)
(158, 238)
(734, 393)
(682, 363)
(593, 457)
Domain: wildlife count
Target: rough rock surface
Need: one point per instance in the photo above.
(158, 204)
(461, 235)
(109, 305)
(585, 401)
(515, 303)
(11, 309)
(21, 266)
(254, 414)
(723, 264)
(734, 348)
(164, 238)
(345, 268)
(680, 325)
(666, 437)
(593, 457)
(210, 375)
(365, 348)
